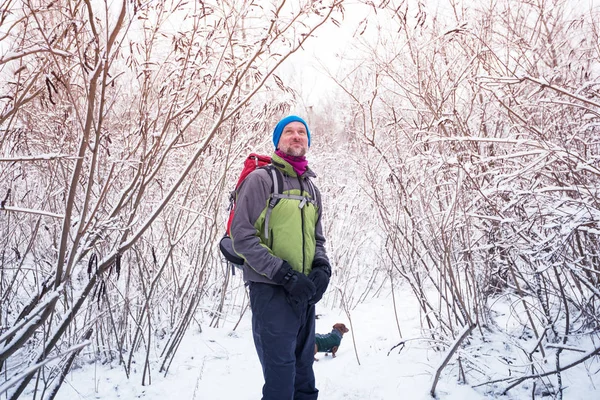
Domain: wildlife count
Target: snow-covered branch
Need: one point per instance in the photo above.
(11, 56)
(41, 157)
(31, 211)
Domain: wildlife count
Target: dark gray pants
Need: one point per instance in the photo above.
(284, 336)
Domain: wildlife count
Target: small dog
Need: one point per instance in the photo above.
(330, 342)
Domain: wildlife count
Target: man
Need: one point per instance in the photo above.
(286, 266)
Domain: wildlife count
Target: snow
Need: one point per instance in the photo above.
(221, 364)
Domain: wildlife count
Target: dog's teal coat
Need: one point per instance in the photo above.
(325, 342)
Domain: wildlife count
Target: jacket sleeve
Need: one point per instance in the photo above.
(251, 201)
(320, 252)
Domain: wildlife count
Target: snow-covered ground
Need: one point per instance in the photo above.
(221, 364)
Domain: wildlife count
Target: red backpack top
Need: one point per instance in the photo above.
(253, 161)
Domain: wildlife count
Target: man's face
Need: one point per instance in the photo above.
(294, 139)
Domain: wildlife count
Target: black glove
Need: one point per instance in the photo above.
(297, 285)
(320, 274)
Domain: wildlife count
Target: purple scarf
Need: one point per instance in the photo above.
(300, 164)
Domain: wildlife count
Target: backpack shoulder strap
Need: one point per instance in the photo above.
(277, 178)
(312, 190)
(276, 190)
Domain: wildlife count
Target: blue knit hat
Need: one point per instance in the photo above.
(281, 124)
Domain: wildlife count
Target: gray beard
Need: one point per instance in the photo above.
(294, 153)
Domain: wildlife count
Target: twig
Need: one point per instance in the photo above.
(345, 306)
(242, 314)
(520, 380)
(402, 343)
(466, 332)
(562, 347)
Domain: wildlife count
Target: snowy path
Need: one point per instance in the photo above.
(219, 364)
